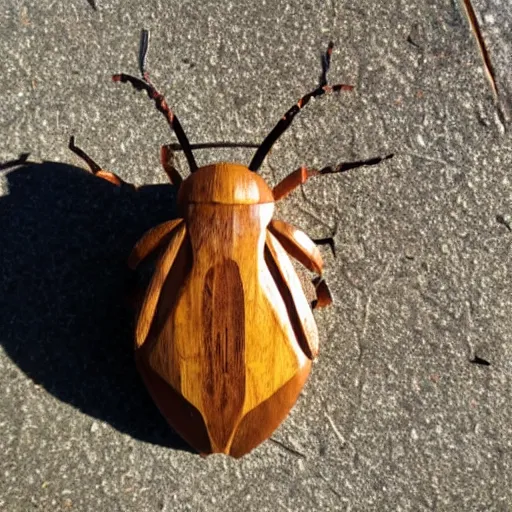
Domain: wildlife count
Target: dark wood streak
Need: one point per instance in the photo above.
(223, 342)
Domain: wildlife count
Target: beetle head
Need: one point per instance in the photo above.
(224, 183)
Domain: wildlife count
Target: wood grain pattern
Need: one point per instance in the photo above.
(298, 308)
(225, 183)
(225, 324)
(259, 423)
(223, 339)
(225, 335)
(180, 413)
(150, 241)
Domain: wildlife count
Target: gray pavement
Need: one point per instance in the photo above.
(395, 415)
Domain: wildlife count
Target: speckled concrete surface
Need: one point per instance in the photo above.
(395, 416)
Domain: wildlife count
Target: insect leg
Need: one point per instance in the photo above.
(150, 241)
(167, 161)
(93, 166)
(301, 175)
(323, 294)
(326, 63)
(326, 241)
(298, 245)
(288, 117)
(303, 249)
(161, 104)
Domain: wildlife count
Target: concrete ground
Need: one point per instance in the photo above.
(401, 411)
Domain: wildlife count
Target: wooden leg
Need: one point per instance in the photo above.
(297, 244)
(93, 166)
(301, 175)
(167, 160)
(326, 63)
(303, 249)
(326, 241)
(150, 241)
(323, 294)
(287, 119)
(292, 181)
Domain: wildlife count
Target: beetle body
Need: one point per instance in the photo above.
(225, 324)
(225, 336)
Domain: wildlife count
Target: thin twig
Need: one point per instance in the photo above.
(470, 13)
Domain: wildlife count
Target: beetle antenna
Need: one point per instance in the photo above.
(161, 104)
(287, 119)
(143, 51)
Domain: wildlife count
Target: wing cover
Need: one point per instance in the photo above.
(163, 266)
(298, 244)
(298, 308)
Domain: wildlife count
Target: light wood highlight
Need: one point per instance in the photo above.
(163, 267)
(299, 310)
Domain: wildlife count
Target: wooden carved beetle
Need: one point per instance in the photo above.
(225, 336)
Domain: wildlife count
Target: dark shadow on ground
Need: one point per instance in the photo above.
(64, 239)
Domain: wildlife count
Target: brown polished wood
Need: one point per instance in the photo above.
(150, 241)
(225, 335)
(323, 294)
(231, 331)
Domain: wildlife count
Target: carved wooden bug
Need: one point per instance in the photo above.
(225, 336)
